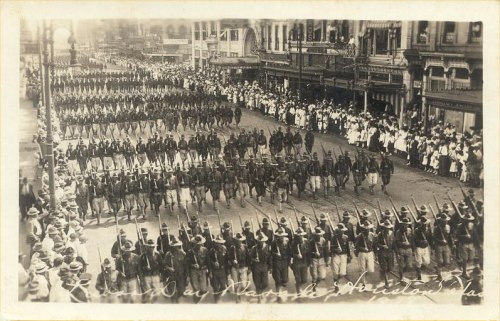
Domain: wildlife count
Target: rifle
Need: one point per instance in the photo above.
(379, 208)
(296, 217)
(341, 152)
(462, 190)
(376, 216)
(324, 151)
(258, 222)
(432, 211)
(335, 155)
(414, 204)
(241, 222)
(454, 205)
(232, 233)
(119, 246)
(437, 203)
(102, 269)
(141, 242)
(187, 215)
(253, 228)
(159, 226)
(473, 205)
(315, 216)
(394, 208)
(209, 232)
(337, 209)
(291, 226)
(276, 216)
(218, 216)
(397, 217)
(357, 212)
(411, 213)
(178, 221)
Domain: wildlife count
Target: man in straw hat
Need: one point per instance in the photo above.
(238, 259)
(467, 241)
(423, 237)
(443, 242)
(197, 262)
(281, 256)
(405, 245)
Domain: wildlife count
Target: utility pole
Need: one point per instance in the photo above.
(299, 45)
(40, 66)
(49, 156)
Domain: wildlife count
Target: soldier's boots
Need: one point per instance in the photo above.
(356, 189)
(419, 274)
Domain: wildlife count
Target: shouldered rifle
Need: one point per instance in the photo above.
(337, 209)
(432, 211)
(241, 222)
(141, 242)
(394, 208)
(335, 155)
(253, 228)
(414, 204)
(462, 190)
(341, 152)
(276, 216)
(473, 205)
(102, 270)
(357, 212)
(258, 222)
(296, 217)
(379, 208)
(178, 221)
(161, 233)
(187, 215)
(454, 205)
(376, 216)
(209, 232)
(218, 216)
(232, 226)
(324, 151)
(437, 203)
(314, 212)
(411, 213)
(119, 246)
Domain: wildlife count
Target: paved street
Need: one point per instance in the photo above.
(405, 182)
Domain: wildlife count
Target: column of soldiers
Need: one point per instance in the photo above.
(225, 260)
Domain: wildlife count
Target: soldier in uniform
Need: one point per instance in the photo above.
(309, 140)
(404, 246)
(238, 261)
(198, 181)
(340, 171)
(218, 266)
(467, 241)
(314, 171)
(385, 246)
(157, 187)
(341, 253)
(373, 172)
(149, 271)
(423, 239)
(259, 182)
(94, 154)
(364, 247)
(128, 187)
(127, 266)
(97, 192)
(281, 256)
(326, 172)
(386, 169)
(243, 182)
(248, 234)
(183, 149)
(82, 197)
(230, 180)
(358, 173)
(300, 258)
(260, 257)
(171, 185)
(214, 182)
(142, 192)
(282, 185)
(176, 270)
(320, 257)
(443, 242)
(107, 283)
(262, 143)
(197, 262)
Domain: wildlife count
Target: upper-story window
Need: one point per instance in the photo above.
(449, 31)
(234, 35)
(475, 31)
(284, 34)
(423, 32)
(269, 36)
(276, 38)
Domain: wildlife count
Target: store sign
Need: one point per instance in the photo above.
(175, 41)
(454, 105)
(417, 84)
(309, 30)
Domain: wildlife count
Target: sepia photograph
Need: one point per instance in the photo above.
(251, 160)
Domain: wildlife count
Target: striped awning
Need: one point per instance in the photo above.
(383, 24)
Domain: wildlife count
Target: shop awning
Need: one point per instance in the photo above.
(236, 62)
(462, 100)
(383, 24)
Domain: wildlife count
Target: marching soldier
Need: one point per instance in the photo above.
(281, 256)
(423, 242)
(176, 270)
(373, 172)
(243, 182)
(300, 258)
(443, 242)
(314, 173)
(386, 169)
(262, 143)
(364, 246)
(385, 245)
(141, 192)
(320, 257)
(149, 271)
(107, 283)
(260, 256)
(340, 171)
(127, 266)
(128, 187)
(358, 173)
(239, 260)
(215, 185)
(230, 180)
(467, 241)
(171, 185)
(282, 184)
(309, 140)
(341, 253)
(404, 246)
(218, 266)
(197, 262)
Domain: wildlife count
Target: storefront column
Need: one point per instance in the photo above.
(193, 55)
(366, 101)
(425, 114)
(402, 110)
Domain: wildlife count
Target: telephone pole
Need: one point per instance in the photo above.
(49, 153)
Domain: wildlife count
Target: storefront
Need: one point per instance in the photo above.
(238, 68)
(462, 108)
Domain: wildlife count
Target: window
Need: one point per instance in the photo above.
(423, 32)
(437, 72)
(381, 41)
(223, 54)
(437, 85)
(475, 31)
(276, 38)
(284, 34)
(449, 32)
(223, 36)
(213, 30)
(196, 31)
(461, 73)
(234, 35)
(380, 77)
(397, 79)
(234, 54)
(269, 35)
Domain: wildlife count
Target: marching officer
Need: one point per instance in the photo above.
(149, 271)
(217, 258)
(341, 253)
(385, 245)
(239, 261)
(260, 256)
(314, 173)
(281, 256)
(197, 262)
(320, 257)
(386, 169)
(127, 266)
(300, 258)
(404, 246)
(176, 270)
